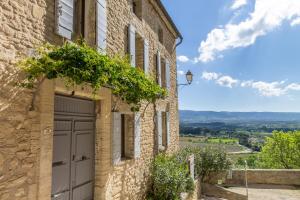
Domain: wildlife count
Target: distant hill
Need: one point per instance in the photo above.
(211, 116)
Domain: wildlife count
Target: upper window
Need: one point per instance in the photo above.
(137, 8)
(79, 19)
(160, 35)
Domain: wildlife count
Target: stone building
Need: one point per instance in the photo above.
(63, 144)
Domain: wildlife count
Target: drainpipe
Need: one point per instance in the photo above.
(179, 43)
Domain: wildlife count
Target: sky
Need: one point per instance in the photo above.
(244, 54)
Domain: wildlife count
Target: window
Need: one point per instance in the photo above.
(79, 19)
(139, 52)
(137, 8)
(163, 73)
(127, 136)
(160, 35)
(163, 129)
(136, 48)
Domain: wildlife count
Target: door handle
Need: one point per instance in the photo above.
(82, 158)
(59, 163)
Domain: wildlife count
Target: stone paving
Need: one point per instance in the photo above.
(269, 192)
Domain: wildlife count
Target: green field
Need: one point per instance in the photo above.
(229, 145)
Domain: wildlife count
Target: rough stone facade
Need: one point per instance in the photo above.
(26, 135)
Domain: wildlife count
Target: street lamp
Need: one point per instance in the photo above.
(189, 78)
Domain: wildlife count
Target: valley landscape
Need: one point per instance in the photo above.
(240, 134)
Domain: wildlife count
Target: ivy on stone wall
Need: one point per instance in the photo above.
(77, 63)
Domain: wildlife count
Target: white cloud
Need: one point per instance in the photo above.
(266, 17)
(293, 86)
(180, 72)
(268, 89)
(295, 22)
(210, 76)
(227, 81)
(221, 80)
(238, 4)
(183, 59)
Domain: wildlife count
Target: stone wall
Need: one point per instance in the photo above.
(268, 176)
(26, 133)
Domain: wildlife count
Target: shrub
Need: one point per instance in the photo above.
(207, 161)
(170, 178)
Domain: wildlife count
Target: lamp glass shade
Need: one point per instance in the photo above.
(189, 77)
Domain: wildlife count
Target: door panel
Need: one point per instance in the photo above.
(83, 172)
(73, 149)
(83, 192)
(61, 196)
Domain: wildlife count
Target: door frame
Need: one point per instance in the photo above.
(102, 135)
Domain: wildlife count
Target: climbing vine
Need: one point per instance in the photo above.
(77, 63)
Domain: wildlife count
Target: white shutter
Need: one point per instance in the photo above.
(101, 22)
(168, 128)
(117, 143)
(159, 129)
(158, 64)
(137, 135)
(146, 56)
(168, 74)
(131, 44)
(64, 18)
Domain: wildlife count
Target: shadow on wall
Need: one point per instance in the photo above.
(24, 26)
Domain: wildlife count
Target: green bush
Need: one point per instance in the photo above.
(252, 162)
(207, 161)
(170, 177)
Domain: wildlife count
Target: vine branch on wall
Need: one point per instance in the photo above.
(77, 63)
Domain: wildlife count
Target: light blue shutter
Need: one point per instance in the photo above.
(137, 135)
(158, 63)
(101, 25)
(159, 129)
(146, 56)
(117, 123)
(64, 18)
(168, 75)
(168, 128)
(131, 44)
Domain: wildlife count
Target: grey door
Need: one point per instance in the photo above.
(73, 149)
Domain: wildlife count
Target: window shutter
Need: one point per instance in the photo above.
(159, 129)
(137, 135)
(101, 25)
(131, 44)
(64, 18)
(168, 74)
(168, 128)
(117, 137)
(158, 64)
(146, 56)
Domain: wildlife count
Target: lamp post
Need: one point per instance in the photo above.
(189, 78)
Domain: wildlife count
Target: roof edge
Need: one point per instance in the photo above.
(160, 4)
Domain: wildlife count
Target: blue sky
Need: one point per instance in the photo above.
(244, 54)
